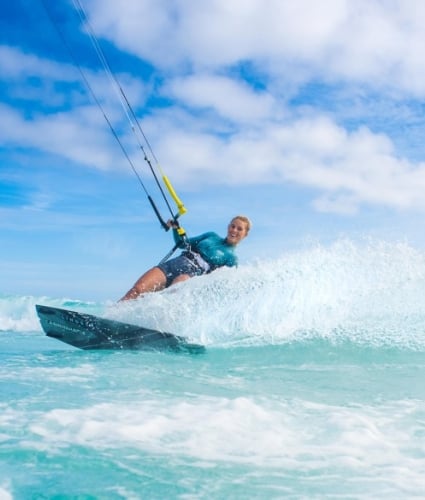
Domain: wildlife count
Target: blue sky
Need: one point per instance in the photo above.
(306, 116)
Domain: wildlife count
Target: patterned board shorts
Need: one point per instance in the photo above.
(178, 266)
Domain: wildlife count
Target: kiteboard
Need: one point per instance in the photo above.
(86, 331)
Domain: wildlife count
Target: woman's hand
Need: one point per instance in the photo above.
(172, 223)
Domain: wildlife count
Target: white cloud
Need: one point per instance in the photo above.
(231, 99)
(34, 78)
(77, 135)
(64, 120)
(349, 168)
(378, 42)
(219, 32)
(15, 64)
(220, 128)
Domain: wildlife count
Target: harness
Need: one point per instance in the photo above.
(198, 260)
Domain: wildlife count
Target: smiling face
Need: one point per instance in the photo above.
(236, 231)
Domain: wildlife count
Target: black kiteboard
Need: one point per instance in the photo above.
(86, 331)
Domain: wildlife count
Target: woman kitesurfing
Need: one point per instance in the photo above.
(201, 255)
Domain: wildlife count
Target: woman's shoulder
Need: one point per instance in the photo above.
(209, 234)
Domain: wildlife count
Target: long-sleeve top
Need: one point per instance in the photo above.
(211, 247)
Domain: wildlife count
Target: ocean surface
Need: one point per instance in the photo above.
(312, 386)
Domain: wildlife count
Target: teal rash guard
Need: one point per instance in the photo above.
(212, 248)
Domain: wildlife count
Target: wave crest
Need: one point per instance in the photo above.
(369, 293)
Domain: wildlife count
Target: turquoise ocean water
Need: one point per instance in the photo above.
(312, 386)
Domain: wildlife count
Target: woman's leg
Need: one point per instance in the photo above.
(152, 281)
(182, 277)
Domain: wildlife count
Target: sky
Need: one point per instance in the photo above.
(306, 116)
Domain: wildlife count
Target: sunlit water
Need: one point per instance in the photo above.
(312, 385)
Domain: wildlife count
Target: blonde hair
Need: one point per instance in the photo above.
(244, 219)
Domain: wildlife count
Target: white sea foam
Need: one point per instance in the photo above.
(290, 435)
(370, 292)
(57, 374)
(17, 313)
(5, 494)
(302, 419)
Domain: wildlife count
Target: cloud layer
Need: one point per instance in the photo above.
(236, 101)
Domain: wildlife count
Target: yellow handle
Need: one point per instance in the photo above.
(181, 208)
